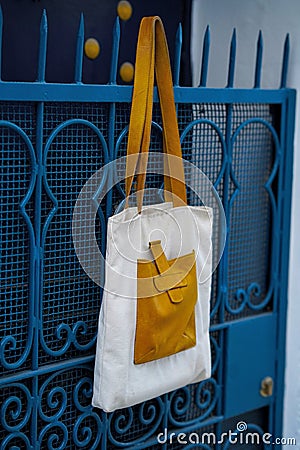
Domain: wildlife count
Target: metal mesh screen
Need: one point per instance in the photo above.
(70, 300)
(16, 290)
(249, 258)
(16, 409)
(65, 399)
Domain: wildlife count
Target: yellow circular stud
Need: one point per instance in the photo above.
(127, 72)
(124, 10)
(91, 48)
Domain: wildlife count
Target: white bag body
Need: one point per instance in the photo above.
(182, 229)
(118, 381)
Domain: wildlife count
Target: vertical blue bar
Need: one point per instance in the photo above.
(220, 380)
(258, 65)
(112, 112)
(166, 401)
(35, 409)
(285, 61)
(226, 179)
(115, 52)
(223, 268)
(79, 51)
(205, 58)
(276, 221)
(232, 57)
(42, 48)
(288, 122)
(39, 158)
(37, 221)
(37, 218)
(104, 419)
(178, 47)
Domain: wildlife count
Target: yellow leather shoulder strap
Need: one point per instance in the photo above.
(152, 53)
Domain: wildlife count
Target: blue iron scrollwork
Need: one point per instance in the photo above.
(207, 394)
(244, 297)
(148, 415)
(16, 409)
(254, 296)
(54, 436)
(84, 431)
(83, 393)
(83, 434)
(180, 401)
(204, 396)
(64, 333)
(54, 400)
(9, 344)
(16, 436)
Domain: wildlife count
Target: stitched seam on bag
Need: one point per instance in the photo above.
(162, 206)
(187, 255)
(157, 211)
(144, 356)
(102, 343)
(193, 341)
(126, 396)
(208, 260)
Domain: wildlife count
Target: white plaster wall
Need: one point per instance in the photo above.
(275, 18)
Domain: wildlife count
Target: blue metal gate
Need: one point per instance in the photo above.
(53, 138)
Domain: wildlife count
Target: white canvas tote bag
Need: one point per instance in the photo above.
(153, 334)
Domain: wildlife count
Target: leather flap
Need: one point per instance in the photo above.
(166, 282)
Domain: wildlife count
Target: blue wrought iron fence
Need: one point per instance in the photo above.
(53, 138)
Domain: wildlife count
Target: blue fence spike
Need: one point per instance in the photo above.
(232, 56)
(205, 56)
(79, 51)
(115, 52)
(258, 65)
(42, 47)
(178, 47)
(285, 61)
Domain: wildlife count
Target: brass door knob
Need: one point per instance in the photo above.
(266, 387)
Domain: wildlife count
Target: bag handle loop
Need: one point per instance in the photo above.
(152, 53)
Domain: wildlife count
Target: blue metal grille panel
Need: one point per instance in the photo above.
(68, 297)
(253, 157)
(17, 240)
(73, 155)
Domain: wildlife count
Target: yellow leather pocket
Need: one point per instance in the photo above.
(167, 295)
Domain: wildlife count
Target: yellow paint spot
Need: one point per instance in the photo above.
(127, 72)
(124, 10)
(92, 48)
